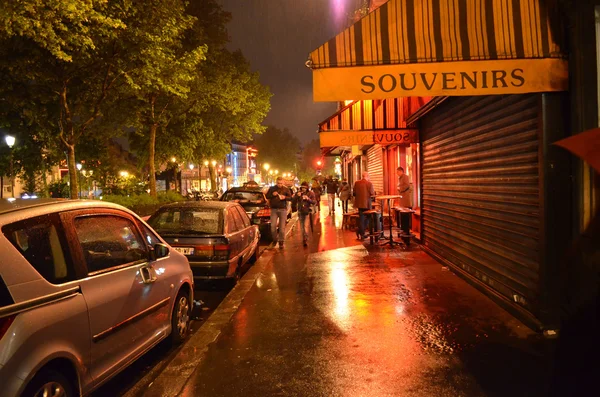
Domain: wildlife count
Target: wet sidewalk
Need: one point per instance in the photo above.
(342, 318)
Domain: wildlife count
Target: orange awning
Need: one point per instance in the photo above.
(443, 48)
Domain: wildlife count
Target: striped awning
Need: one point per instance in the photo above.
(443, 47)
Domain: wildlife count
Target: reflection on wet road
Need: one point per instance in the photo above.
(342, 318)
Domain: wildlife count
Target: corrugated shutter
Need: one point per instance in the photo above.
(375, 167)
(481, 198)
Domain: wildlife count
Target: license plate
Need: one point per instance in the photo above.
(185, 250)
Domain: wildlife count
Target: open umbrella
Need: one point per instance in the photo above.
(585, 145)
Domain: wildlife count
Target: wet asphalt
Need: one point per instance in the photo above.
(343, 318)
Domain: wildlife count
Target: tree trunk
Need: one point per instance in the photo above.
(73, 171)
(213, 179)
(151, 165)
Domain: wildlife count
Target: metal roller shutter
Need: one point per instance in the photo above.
(481, 194)
(375, 167)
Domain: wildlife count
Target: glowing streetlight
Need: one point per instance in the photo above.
(10, 141)
(214, 162)
(266, 166)
(173, 159)
(229, 169)
(79, 166)
(124, 174)
(191, 166)
(276, 172)
(206, 163)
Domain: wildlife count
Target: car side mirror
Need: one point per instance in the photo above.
(159, 251)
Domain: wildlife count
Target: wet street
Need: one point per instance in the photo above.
(344, 318)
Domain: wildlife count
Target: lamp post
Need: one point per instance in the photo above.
(10, 141)
(87, 175)
(79, 166)
(266, 166)
(191, 166)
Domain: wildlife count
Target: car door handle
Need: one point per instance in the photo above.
(148, 275)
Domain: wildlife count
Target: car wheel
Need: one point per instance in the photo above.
(180, 318)
(49, 383)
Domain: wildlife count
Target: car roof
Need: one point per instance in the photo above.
(52, 204)
(249, 189)
(200, 204)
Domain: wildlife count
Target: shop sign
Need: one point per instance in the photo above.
(460, 78)
(356, 138)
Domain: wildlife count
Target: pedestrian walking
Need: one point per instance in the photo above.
(363, 191)
(278, 197)
(316, 188)
(331, 186)
(344, 195)
(404, 189)
(305, 201)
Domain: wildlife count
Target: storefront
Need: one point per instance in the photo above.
(491, 186)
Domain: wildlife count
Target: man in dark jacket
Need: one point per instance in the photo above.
(332, 187)
(363, 191)
(305, 200)
(278, 196)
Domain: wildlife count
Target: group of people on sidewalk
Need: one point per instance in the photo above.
(304, 199)
(308, 201)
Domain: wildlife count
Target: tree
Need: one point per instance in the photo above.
(65, 55)
(166, 70)
(277, 147)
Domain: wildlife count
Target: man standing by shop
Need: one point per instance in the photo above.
(404, 189)
(363, 191)
(278, 197)
(332, 187)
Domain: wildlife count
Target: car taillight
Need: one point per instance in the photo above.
(221, 251)
(5, 324)
(264, 212)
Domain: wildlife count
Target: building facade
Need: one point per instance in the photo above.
(489, 88)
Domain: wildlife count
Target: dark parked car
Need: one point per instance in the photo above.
(255, 204)
(216, 237)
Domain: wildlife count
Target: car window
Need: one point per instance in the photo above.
(177, 221)
(39, 241)
(232, 226)
(239, 222)
(245, 217)
(109, 241)
(5, 296)
(149, 236)
(244, 197)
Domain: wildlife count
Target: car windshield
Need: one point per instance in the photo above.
(177, 221)
(244, 197)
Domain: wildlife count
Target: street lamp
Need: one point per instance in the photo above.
(10, 141)
(87, 174)
(192, 169)
(206, 182)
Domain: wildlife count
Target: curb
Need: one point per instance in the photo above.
(175, 373)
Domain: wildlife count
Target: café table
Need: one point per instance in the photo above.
(389, 199)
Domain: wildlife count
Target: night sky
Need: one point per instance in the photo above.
(276, 36)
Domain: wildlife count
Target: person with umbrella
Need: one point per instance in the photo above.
(304, 200)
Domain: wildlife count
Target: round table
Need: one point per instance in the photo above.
(389, 199)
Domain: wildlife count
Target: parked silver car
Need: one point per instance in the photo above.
(86, 288)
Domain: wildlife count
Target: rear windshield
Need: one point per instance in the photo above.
(244, 197)
(177, 221)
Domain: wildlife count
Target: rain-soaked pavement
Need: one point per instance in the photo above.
(342, 318)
